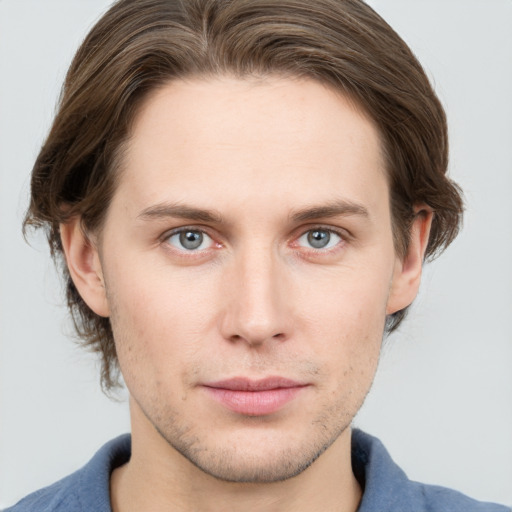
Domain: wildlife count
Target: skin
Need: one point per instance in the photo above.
(273, 160)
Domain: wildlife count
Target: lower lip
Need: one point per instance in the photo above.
(254, 403)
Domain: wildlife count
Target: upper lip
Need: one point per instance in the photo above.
(246, 384)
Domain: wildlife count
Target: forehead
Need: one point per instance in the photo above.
(288, 140)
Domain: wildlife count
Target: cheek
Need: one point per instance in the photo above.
(157, 316)
(346, 318)
(349, 301)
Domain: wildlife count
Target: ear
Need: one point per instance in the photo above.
(407, 272)
(84, 266)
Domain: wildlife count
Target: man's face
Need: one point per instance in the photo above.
(248, 263)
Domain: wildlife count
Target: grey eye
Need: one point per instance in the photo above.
(319, 238)
(190, 240)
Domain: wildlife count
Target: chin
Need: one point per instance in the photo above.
(261, 461)
(247, 469)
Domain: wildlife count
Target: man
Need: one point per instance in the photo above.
(244, 194)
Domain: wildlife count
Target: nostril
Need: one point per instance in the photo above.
(251, 340)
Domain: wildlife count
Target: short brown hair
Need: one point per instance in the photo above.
(139, 45)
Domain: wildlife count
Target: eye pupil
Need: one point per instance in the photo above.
(318, 238)
(191, 239)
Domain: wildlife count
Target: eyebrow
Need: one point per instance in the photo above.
(333, 209)
(337, 208)
(165, 210)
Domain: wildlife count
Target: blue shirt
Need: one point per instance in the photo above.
(385, 486)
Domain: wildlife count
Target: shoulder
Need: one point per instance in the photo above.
(60, 496)
(387, 488)
(85, 489)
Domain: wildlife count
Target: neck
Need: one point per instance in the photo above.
(157, 477)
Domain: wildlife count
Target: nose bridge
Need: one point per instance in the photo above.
(256, 307)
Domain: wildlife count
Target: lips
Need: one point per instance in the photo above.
(254, 397)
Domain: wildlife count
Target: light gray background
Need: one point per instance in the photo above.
(442, 401)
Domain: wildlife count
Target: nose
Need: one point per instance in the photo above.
(257, 303)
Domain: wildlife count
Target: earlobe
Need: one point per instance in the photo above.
(84, 266)
(407, 272)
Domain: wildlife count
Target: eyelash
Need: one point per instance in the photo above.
(323, 251)
(343, 236)
(184, 252)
